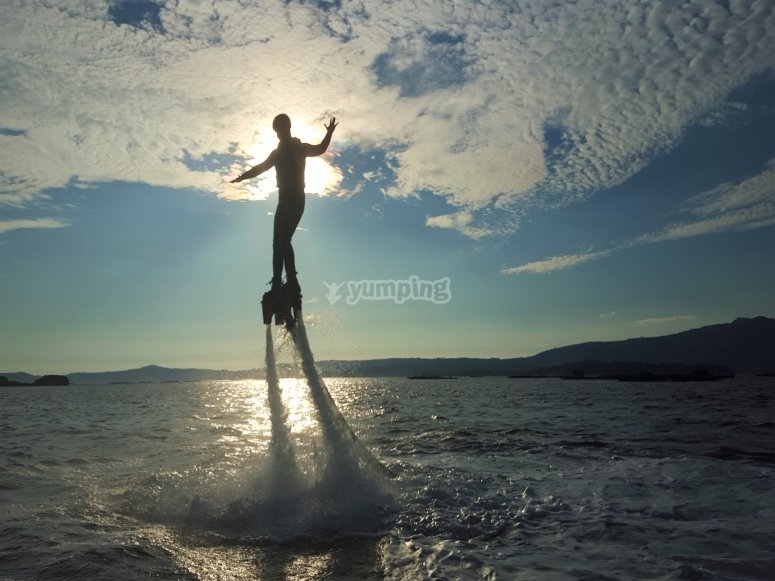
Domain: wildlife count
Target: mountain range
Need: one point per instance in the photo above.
(746, 344)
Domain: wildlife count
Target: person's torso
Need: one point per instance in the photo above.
(289, 166)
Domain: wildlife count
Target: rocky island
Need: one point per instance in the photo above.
(44, 380)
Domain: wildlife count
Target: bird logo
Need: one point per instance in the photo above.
(333, 292)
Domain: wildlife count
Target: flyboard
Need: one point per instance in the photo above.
(283, 304)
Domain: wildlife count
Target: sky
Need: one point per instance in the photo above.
(560, 171)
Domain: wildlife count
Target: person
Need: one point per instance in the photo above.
(289, 160)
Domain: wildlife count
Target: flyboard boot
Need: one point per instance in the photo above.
(269, 302)
(292, 298)
(283, 302)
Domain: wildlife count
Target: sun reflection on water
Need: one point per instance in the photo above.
(301, 414)
(286, 562)
(242, 422)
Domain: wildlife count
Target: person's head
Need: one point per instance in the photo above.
(282, 125)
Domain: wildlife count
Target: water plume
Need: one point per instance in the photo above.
(284, 471)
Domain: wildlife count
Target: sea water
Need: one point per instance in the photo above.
(469, 478)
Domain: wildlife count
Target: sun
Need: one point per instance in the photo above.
(320, 177)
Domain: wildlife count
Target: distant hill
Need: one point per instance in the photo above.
(402, 366)
(19, 377)
(742, 345)
(157, 374)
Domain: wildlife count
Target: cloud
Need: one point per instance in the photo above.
(744, 205)
(475, 225)
(556, 263)
(756, 192)
(491, 105)
(664, 320)
(8, 225)
(458, 221)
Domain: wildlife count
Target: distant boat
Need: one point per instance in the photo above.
(430, 376)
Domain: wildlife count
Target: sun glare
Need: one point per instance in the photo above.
(321, 177)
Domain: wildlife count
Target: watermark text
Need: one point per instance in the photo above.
(399, 291)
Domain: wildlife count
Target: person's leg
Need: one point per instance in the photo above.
(286, 219)
(293, 218)
(278, 242)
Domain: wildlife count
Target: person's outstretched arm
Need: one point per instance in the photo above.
(320, 148)
(256, 170)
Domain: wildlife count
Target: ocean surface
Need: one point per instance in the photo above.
(469, 478)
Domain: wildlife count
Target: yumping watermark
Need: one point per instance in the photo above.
(414, 289)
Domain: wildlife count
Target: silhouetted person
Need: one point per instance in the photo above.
(288, 160)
